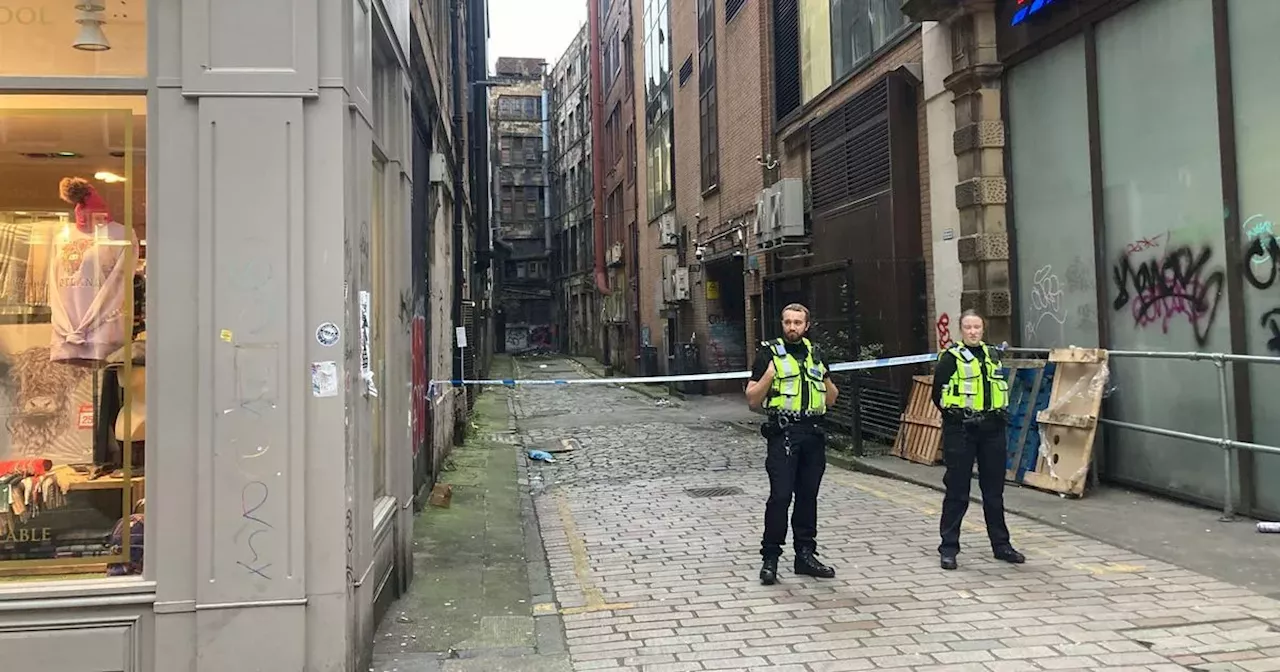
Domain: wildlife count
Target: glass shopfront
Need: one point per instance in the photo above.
(73, 280)
(1116, 124)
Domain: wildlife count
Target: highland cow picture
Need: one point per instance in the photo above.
(42, 403)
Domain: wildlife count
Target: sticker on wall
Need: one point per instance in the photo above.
(324, 379)
(366, 361)
(328, 334)
(225, 335)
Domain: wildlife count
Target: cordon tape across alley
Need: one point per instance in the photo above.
(690, 377)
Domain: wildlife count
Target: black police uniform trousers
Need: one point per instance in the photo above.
(980, 438)
(796, 472)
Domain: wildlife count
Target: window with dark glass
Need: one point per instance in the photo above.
(657, 109)
(859, 28)
(707, 126)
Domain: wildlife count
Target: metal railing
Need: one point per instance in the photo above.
(1228, 444)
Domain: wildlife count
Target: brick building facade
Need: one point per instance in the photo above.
(750, 83)
(578, 318)
(620, 314)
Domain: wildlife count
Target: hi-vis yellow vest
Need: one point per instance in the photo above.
(965, 389)
(789, 378)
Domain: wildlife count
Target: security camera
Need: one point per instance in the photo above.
(699, 252)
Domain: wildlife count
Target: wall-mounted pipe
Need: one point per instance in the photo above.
(597, 137)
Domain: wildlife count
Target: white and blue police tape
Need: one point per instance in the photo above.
(688, 377)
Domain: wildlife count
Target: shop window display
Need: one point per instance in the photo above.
(72, 336)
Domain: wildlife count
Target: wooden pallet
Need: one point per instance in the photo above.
(920, 426)
(1068, 426)
(1022, 410)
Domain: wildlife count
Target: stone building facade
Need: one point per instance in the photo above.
(525, 319)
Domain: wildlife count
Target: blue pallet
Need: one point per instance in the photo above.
(1022, 413)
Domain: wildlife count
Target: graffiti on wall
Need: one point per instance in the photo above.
(726, 344)
(1261, 267)
(521, 338)
(418, 350)
(943, 325)
(1046, 305)
(1259, 228)
(1171, 286)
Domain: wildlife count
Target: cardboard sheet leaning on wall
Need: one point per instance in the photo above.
(1069, 424)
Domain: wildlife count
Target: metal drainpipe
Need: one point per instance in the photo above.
(457, 148)
(597, 137)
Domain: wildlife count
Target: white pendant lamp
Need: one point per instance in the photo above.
(91, 37)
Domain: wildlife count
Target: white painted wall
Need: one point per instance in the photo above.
(945, 218)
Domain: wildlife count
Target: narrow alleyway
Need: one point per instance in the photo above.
(651, 522)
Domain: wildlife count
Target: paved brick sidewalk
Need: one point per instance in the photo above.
(649, 577)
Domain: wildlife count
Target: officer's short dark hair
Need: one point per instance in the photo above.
(796, 308)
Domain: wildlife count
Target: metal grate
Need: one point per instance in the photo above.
(713, 492)
(786, 55)
(851, 150)
(686, 70)
(731, 8)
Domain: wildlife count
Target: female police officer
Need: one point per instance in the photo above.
(973, 397)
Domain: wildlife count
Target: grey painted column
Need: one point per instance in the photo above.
(247, 196)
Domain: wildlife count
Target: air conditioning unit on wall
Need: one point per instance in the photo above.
(669, 264)
(668, 236)
(780, 213)
(682, 284)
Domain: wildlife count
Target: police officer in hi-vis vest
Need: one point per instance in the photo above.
(792, 383)
(973, 397)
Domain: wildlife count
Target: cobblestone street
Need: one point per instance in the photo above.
(649, 576)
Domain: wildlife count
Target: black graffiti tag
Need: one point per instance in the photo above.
(1267, 250)
(1271, 320)
(1176, 284)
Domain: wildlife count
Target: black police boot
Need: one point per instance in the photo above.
(1010, 556)
(769, 571)
(807, 564)
(948, 561)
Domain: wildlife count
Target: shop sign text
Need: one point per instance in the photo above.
(22, 16)
(27, 535)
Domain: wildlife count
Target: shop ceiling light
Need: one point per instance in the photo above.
(91, 37)
(107, 176)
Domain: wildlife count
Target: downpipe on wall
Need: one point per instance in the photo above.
(597, 152)
(457, 79)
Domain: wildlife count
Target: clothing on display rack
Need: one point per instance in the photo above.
(15, 250)
(87, 282)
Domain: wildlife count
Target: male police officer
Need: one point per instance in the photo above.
(795, 388)
(973, 397)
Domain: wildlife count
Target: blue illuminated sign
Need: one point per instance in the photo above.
(1027, 8)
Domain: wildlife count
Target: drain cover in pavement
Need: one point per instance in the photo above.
(713, 492)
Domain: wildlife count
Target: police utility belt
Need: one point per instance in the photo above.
(784, 419)
(970, 416)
